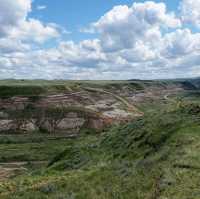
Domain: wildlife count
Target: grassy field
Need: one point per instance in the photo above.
(32, 148)
(10, 88)
(153, 157)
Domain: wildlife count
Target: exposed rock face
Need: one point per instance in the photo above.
(97, 124)
(64, 112)
(71, 123)
(28, 127)
(10, 125)
(6, 125)
(117, 113)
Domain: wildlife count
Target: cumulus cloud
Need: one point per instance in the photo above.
(34, 30)
(41, 7)
(9, 45)
(12, 13)
(141, 41)
(14, 23)
(190, 12)
(123, 26)
(181, 43)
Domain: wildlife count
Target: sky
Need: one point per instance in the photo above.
(101, 39)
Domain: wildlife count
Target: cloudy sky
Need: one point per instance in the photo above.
(99, 39)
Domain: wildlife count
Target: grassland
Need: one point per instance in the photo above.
(137, 160)
(155, 156)
(10, 88)
(30, 148)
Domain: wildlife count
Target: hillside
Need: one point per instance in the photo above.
(61, 106)
(151, 155)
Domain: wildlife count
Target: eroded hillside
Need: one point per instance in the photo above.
(100, 140)
(67, 107)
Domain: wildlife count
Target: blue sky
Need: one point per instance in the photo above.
(76, 14)
(99, 39)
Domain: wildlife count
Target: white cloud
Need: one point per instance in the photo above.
(41, 7)
(139, 53)
(9, 45)
(190, 12)
(140, 41)
(34, 30)
(180, 43)
(14, 22)
(122, 27)
(12, 13)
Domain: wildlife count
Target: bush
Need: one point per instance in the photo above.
(11, 91)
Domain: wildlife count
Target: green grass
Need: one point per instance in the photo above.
(10, 88)
(28, 88)
(154, 157)
(11, 91)
(33, 148)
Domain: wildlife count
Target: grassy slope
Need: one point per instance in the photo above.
(20, 148)
(154, 157)
(10, 88)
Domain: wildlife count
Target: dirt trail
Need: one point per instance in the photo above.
(129, 106)
(167, 98)
(6, 173)
(10, 169)
(20, 163)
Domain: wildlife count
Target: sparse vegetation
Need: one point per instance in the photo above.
(154, 156)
